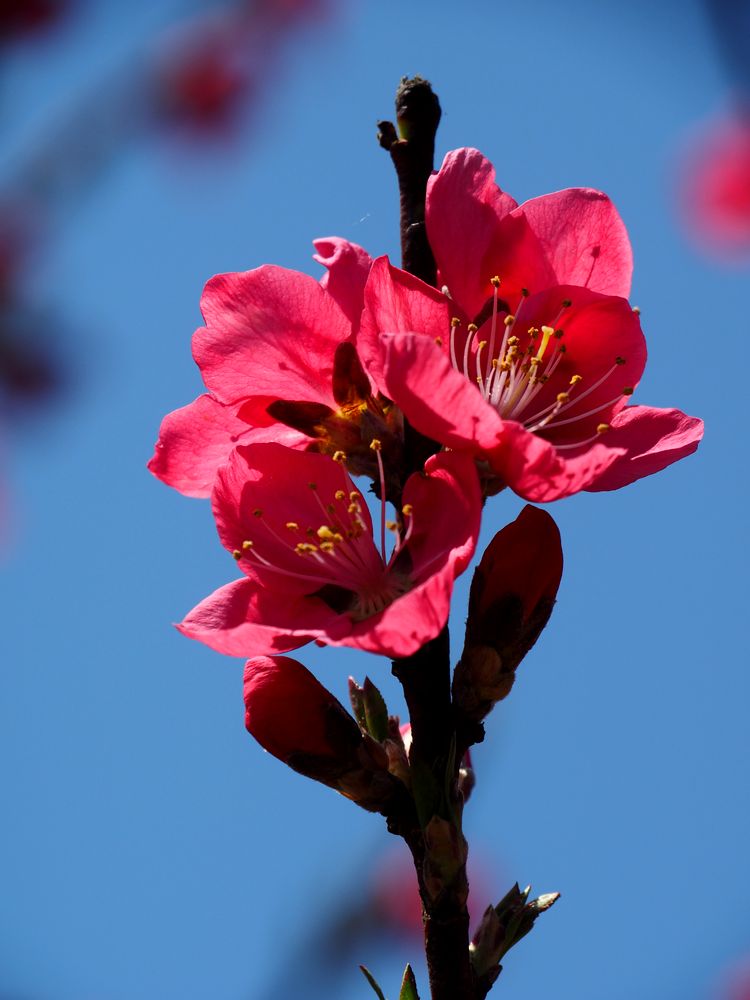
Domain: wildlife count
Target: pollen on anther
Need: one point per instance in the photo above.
(376, 444)
(407, 510)
(354, 495)
(339, 456)
(455, 321)
(602, 428)
(292, 525)
(495, 281)
(472, 327)
(237, 554)
(340, 495)
(562, 397)
(247, 544)
(575, 379)
(509, 320)
(391, 525)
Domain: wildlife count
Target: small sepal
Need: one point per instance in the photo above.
(408, 986)
(502, 927)
(370, 709)
(371, 980)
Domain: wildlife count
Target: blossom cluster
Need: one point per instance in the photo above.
(516, 371)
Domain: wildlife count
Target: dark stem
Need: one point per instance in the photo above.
(412, 149)
(426, 676)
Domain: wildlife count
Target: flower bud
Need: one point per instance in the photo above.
(296, 719)
(511, 599)
(289, 712)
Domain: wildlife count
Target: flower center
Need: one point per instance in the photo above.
(337, 555)
(512, 364)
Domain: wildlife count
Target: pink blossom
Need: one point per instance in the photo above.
(527, 355)
(312, 570)
(271, 335)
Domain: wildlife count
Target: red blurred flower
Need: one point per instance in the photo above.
(302, 536)
(25, 17)
(271, 335)
(527, 356)
(715, 190)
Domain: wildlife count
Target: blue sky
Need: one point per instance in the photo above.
(149, 848)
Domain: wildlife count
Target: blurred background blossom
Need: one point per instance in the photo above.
(149, 849)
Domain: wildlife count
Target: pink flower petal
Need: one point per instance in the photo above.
(537, 471)
(269, 332)
(435, 398)
(583, 239)
(348, 266)
(464, 208)
(650, 439)
(193, 442)
(244, 619)
(447, 509)
(397, 302)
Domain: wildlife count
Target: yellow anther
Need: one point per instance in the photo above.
(325, 532)
(376, 444)
(495, 362)
(495, 282)
(391, 525)
(472, 327)
(339, 456)
(637, 310)
(292, 525)
(547, 332)
(455, 321)
(247, 544)
(327, 546)
(303, 548)
(619, 360)
(407, 510)
(505, 366)
(562, 397)
(237, 554)
(353, 508)
(340, 495)
(533, 331)
(566, 303)
(481, 345)
(602, 428)
(575, 379)
(257, 512)
(509, 319)
(513, 341)
(628, 390)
